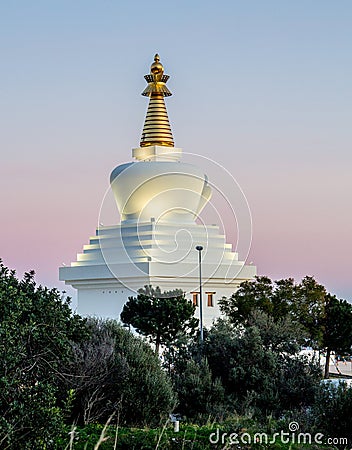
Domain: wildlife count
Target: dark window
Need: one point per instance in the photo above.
(210, 298)
(195, 298)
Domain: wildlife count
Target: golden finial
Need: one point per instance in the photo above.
(157, 69)
(157, 130)
(156, 80)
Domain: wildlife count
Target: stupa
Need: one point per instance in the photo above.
(159, 198)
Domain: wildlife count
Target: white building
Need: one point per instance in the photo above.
(159, 199)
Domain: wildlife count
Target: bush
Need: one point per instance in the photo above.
(115, 372)
(261, 374)
(200, 397)
(332, 410)
(35, 334)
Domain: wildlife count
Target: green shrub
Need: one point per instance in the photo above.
(332, 410)
(200, 397)
(36, 331)
(116, 373)
(259, 366)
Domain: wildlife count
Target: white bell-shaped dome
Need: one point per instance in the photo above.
(163, 190)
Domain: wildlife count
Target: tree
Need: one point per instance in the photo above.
(160, 316)
(36, 331)
(325, 321)
(308, 308)
(304, 302)
(337, 334)
(332, 411)
(256, 369)
(260, 366)
(200, 395)
(115, 372)
(272, 298)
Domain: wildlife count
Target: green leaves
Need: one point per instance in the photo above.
(322, 321)
(36, 329)
(259, 365)
(338, 325)
(305, 303)
(160, 316)
(114, 372)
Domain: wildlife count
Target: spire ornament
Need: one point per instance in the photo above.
(156, 130)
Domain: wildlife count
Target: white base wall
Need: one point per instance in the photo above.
(107, 303)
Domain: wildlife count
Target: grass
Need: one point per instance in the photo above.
(190, 437)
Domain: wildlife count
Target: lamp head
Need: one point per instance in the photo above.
(199, 248)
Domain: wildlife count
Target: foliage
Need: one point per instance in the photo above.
(281, 336)
(199, 395)
(304, 302)
(160, 316)
(325, 322)
(115, 372)
(56, 366)
(338, 326)
(36, 330)
(254, 369)
(332, 410)
(337, 334)
(259, 366)
(272, 298)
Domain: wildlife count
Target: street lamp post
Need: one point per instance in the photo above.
(200, 248)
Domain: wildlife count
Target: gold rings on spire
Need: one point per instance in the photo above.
(156, 130)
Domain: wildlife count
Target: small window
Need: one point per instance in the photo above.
(195, 298)
(210, 298)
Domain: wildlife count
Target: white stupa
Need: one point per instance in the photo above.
(159, 199)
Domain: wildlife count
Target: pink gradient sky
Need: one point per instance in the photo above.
(263, 88)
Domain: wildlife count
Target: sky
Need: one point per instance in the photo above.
(262, 88)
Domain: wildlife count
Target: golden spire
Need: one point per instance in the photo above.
(156, 130)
